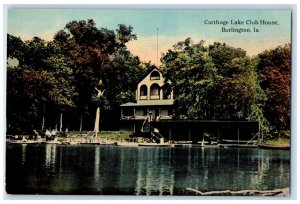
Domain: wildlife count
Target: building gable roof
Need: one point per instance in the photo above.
(149, 73)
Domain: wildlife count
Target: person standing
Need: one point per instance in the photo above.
(48, 135)
(53, 133)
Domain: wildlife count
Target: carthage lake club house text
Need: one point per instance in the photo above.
(236, 25)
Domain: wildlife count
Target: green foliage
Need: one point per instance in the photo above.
(61, 75)
(42, 79)
(274, 67)
(257, 115)
(215, 82)
(209, 82)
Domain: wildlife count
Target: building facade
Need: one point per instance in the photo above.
(152, 115)
(154, 101)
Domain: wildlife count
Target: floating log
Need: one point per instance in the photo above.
(276, 192)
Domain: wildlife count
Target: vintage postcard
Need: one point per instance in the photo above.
(138, 102)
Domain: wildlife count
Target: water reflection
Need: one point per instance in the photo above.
(110, 170)
(50, 157)
(97, 163)
(23, 153)
(155, 172)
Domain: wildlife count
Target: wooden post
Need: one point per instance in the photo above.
(170, 133)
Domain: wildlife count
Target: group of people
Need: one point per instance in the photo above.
(50, 135)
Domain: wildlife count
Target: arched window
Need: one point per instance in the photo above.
(143, 92)
(154, 91)
(155, 75)
(167, 91)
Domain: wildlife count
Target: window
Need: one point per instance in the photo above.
(143, 92)
(155, 75)
(166, 91)
(154, 91)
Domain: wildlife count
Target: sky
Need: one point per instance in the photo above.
(46, 23)
(165, 26)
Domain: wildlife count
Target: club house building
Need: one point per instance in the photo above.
(154, 101)
(153, 110)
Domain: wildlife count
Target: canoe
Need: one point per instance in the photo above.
(89, 143)
(24, 142)
(239, 146)
(51, 142)
(269, 146)
(155, 145)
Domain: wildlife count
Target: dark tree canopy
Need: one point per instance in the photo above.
(214, 82)
(274, 67)
(61, 75)
(209, 82)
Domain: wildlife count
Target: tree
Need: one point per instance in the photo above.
(237, 87)
(41, 79)
(274, 67)
(99, 55)
(214, 82)
(61, 76)
(192, 73)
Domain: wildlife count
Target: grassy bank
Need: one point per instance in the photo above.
(278, 138)
(113, 135)
(278, 141)
(109, 135)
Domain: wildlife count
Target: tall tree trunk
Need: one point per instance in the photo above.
(97, 120)
(43, 123)
(80, 127)
(60, 125)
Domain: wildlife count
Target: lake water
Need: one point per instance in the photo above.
(113, 170)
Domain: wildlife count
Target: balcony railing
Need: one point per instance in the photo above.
(132, 117)
(154, 97)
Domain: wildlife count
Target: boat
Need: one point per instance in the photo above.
(31, 142)
(239, 146)
(182, 145)
(155, 145)
(15, 141)
(269, 146)
(52, 142)
(69, 143)
(73, 143)
(89, 143)
(23, 141)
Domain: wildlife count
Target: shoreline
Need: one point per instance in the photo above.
(123, 139)
(124, 143)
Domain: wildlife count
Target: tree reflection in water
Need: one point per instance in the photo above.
(112, 170)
